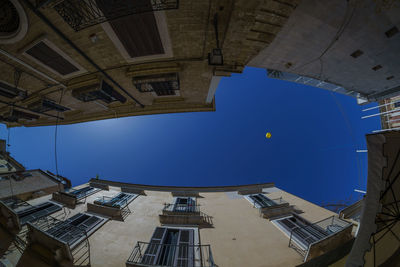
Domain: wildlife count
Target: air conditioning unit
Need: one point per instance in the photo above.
(97, 91)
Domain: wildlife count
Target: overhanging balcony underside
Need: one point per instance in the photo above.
(318, 238)
(113, 207)
(153, 254)
(66, 242)
(183, 214)
(71, 198)
(81, 14)
(64, 198)
(277, 211)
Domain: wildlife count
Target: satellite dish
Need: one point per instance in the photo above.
(268, 135)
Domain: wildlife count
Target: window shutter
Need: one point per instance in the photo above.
(70, 230)
(305, 232)
(185, 255)
(90, 223)
(261, 200)
(153, 250)
(38, 211)
(47, 56)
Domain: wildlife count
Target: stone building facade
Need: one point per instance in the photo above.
(64, 62)
(146, 58)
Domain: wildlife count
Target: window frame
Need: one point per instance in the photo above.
(195, 242)
(255, 204)
(56, 49)
(18, 212)
(131, 197)
(300, 242)
(162, 25)
(186, 209)
(72, 245)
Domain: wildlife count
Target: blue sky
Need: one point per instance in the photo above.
(311, 153)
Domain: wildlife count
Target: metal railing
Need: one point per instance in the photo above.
(181, 208)
(153, 254)
(271, 203)
(82, 14)
(118, 201)
(301, 238)
(14, 203)
(82, 192)
(79, 243)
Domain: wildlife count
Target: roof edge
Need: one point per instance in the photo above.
(167, 188)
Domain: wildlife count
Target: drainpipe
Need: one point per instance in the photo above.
(77, 49)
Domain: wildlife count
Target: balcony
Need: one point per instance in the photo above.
(114, 207)
(318, 238)
(72, 197)
(62, 242)
(82, 14)
(274, 208)
(184, 214)
(153, 254)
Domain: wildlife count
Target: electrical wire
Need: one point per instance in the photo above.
(346, 21)
(348, 125)
(55, 134)
(8, 139)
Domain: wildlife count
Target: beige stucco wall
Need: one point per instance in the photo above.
(239, 236)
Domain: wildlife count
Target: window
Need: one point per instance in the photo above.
(148, 40)
(261, 201)
(54, 59)
(357, 53)
(170, 247)
(303, 232)
(391, 32)
(74, 228)
(35, 212)
(160, 85)
(184, 204)
(119, 201)
(397, 104)
(377, 67)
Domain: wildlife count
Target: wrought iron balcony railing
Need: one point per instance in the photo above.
(181, 208)
(72, 236)
(118, 201)
(303, 238)
(80, 14)
(153, 254)
(271, 203)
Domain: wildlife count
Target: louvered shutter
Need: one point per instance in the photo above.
(37, 212)
(153, 250)
(74, 228)
(185, 253)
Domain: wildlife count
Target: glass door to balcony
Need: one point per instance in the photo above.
(185, 204)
